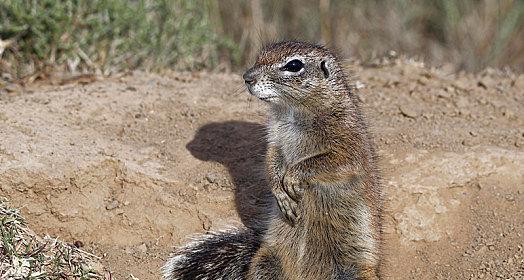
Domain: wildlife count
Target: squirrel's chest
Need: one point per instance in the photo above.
(295, 141)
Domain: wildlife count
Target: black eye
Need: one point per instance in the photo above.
(294, 65)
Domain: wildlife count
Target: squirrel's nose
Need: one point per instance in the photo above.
(249, 77)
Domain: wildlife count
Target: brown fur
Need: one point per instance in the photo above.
(321, 167)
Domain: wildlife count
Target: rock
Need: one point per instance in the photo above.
(518, 82)
(206, 222)
(112, 205)
(6, 77)
(359, 85)
(444, 93)
(212, 178)
(78, 244)
(409, 111)
(519, 143)
(12, 88)
(471, 141)
(508, 114)
(482, 85)
(142, 248)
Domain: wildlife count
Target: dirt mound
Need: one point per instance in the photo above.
(131, 166)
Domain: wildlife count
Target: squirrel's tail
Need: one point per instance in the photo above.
(222, 255)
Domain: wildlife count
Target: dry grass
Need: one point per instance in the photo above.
(108, 36)
(23, 255)
(470, 34)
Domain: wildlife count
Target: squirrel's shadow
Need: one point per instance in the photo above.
(240, 146)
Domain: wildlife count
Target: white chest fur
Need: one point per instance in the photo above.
(293, 136)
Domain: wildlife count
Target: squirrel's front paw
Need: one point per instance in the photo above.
(293, 186)
(289, 196)
(288, 207)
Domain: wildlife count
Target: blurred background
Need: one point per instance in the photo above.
(108, 36)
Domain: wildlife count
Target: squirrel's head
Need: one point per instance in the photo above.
(296, 74)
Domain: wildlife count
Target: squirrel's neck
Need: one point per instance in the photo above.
(319, 118)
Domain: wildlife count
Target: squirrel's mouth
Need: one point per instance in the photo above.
(267, 98)
(261, 95)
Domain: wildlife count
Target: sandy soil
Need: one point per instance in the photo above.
(133, 165)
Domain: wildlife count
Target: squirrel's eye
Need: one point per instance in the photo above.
(294, 65)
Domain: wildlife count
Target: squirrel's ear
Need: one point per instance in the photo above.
(324, 69)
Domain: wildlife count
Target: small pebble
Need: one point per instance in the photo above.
(78, 244)
(112, 205)
(142, 248)
(409, 111)
(212, 178)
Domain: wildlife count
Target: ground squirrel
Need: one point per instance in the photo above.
(321, 169)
